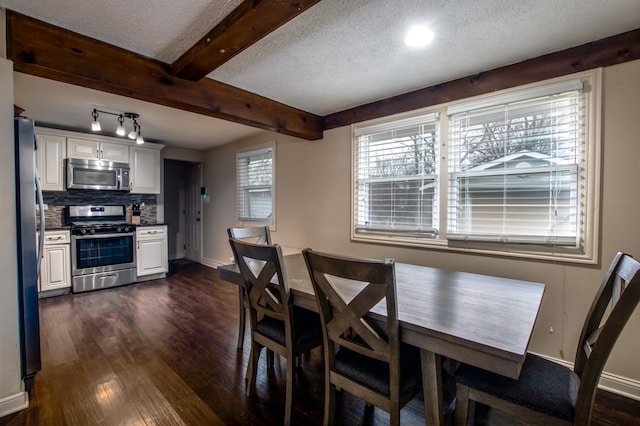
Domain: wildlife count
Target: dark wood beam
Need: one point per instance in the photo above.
(609, 51)
(51, 52)
(248, 23)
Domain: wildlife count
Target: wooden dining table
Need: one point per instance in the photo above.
(482, 320)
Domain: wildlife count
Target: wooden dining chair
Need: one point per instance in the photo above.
(254, 234)
(547, 392)
(274, 322)
(362, 351)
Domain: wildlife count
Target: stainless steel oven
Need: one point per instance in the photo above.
(103, 247)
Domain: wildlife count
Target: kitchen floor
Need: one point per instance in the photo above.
(163, 352)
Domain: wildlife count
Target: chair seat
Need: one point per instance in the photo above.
(375, 374)
(544, 386)
(308, 331)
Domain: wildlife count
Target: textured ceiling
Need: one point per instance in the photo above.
(337, 55)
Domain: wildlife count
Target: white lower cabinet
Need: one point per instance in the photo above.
(152, 255)
(55, 269)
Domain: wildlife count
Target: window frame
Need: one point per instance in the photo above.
(588, 248)
(249, 152)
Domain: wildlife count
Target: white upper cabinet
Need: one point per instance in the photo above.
(145, 170)
(55, 146)
(97, 150)
(50, 155)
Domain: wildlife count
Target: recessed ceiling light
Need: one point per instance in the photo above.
(419, 37)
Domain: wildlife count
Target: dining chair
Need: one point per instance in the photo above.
(255, 234)
(547, 392)
(275, 323)
(362, 351)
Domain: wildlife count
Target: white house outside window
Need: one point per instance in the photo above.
(255, 186)
(514, 173)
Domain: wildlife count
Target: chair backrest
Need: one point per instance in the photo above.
(263, 279)
(255, 234)
(346, 290)
(614, 303)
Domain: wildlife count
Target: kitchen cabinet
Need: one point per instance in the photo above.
(145, 170)
(50, 154)
(93, 149)
(55, 266)
(152, 254)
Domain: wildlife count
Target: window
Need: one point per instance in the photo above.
(255, 196)
(514, 167)
(395, 187)
(512, 173)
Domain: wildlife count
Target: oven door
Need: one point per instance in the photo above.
(92, 254)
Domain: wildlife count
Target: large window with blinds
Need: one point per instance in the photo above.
(514, 166)
(515, 172)
(255, 177)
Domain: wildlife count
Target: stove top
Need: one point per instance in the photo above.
(84, 228)
(90, 219)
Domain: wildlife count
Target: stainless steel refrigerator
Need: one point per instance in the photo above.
(28, 199)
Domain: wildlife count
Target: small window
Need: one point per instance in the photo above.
(255, 177)
(396, 182)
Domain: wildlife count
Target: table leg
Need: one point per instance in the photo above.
(432, 387)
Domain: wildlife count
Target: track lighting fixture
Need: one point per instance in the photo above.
(136, 133)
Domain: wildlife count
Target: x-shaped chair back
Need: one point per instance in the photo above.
(263, 280)
(346, 291)
(617, 298)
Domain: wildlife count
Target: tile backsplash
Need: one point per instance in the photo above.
(57, 200)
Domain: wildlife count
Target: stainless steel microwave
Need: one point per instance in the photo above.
(98, 174)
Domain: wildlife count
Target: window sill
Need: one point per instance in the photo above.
(517, 251)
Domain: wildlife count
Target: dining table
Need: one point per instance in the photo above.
(482, 320)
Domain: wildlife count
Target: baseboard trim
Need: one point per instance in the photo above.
(610, 382)
(212, 263)
(13, 403)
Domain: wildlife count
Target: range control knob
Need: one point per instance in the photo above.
(83, 231)
(92, 231)
(126, 229)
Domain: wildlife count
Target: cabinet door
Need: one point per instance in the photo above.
(83, 148)
(55, 268)
(50, 157)
(145, 171)
(152, 256)
(114, 152)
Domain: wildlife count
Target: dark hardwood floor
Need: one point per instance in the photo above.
(164, 352)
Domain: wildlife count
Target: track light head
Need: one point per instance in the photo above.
(95, 124)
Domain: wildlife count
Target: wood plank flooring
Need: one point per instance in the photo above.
(164, 352)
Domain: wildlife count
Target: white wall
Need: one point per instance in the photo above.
(313, 209)
(12, 396)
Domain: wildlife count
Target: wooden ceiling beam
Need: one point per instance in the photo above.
(248, 23)
(45, 50)
(606, 52)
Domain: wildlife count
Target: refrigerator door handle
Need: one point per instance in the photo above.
(41, 234)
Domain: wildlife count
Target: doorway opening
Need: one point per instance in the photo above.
(183, 209)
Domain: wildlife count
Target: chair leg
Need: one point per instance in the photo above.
(329, 402)
(462, 405)
(252, 368)
(242, 315)
(394, 413)
(288, 406)
(270, 358)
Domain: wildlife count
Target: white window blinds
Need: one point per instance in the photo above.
(255, 186)
(516, 166)
(395, 181)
